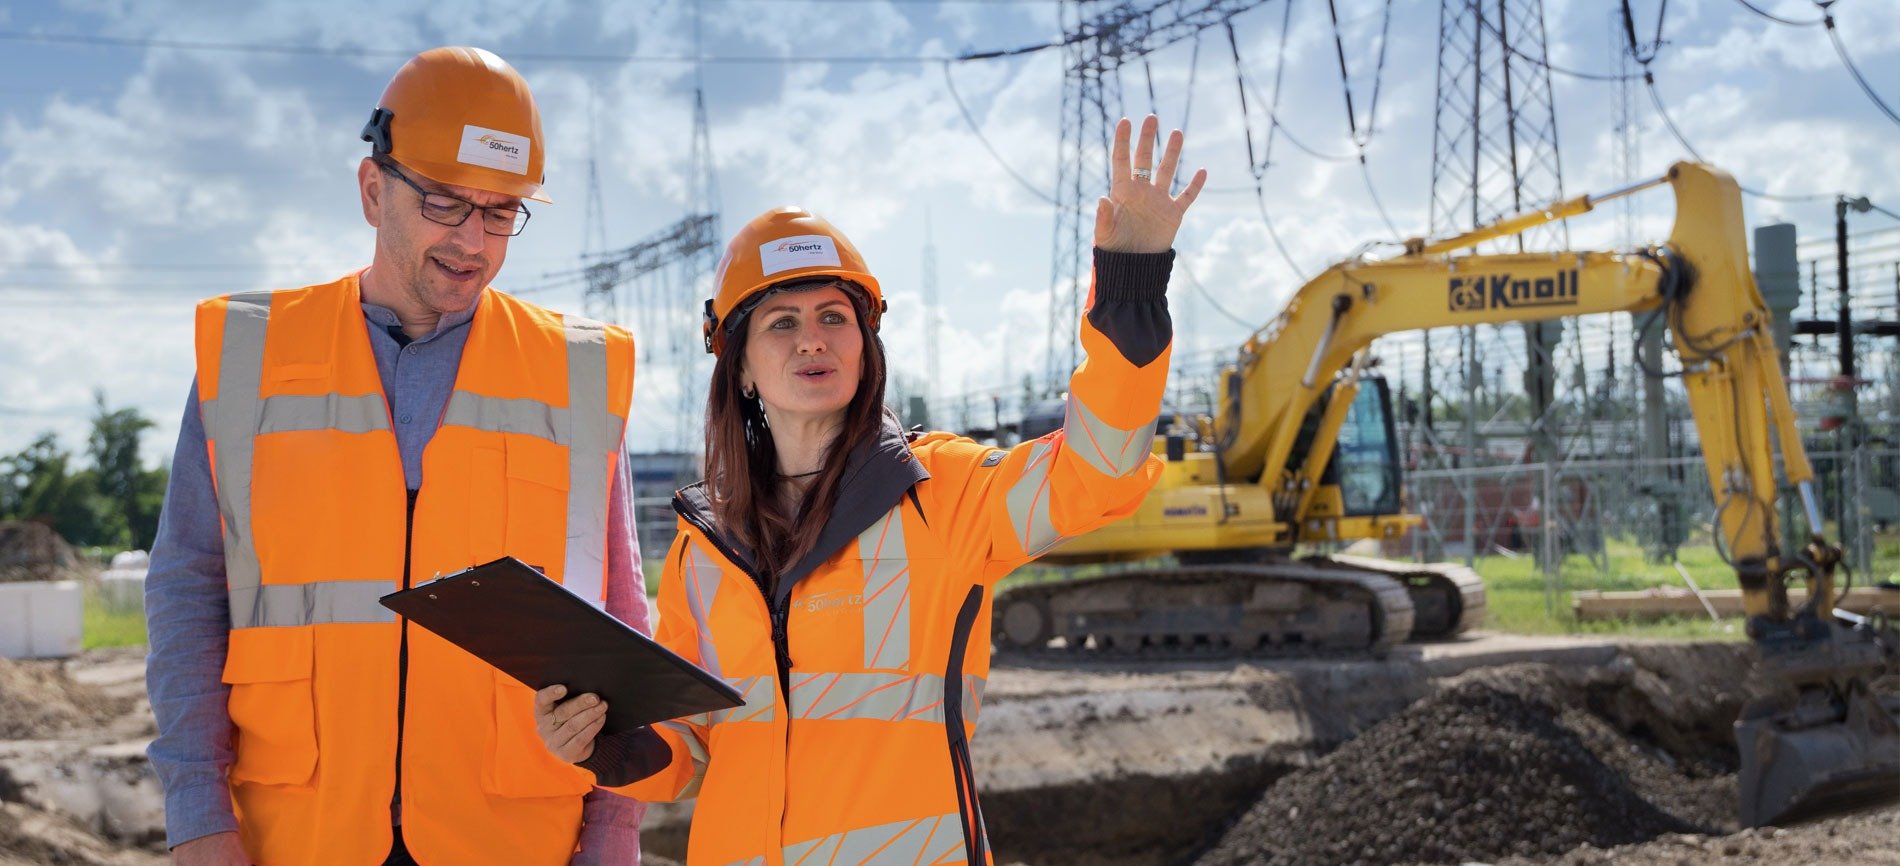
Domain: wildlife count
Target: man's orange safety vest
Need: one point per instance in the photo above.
(864, 668)
(314, 505)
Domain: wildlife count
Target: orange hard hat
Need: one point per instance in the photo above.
(783, 247)
(461, 116)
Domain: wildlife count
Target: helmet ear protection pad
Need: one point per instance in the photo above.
(376, 131)
(710, 326)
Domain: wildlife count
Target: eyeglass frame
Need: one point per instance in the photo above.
(423, 195)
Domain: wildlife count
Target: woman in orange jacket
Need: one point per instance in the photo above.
(835, 569)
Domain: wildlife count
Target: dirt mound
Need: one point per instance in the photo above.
(1494, 766)
(29, 836)
(1865, 839)
(33, 551)
(38, 700)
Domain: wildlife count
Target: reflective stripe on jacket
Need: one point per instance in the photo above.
(864, 673)
(314, 506)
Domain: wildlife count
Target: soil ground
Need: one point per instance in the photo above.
(1498, 750)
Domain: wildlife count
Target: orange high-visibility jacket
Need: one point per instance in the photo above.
(310, 485)
(864, 675)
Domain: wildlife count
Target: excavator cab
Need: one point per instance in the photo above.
(1360, 490)
(1365, 465)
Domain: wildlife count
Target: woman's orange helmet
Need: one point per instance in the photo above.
(462, 116)
(782, 246)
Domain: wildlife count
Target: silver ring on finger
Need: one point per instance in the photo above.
(1144, 174)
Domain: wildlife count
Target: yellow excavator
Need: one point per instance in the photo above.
(1302, 451)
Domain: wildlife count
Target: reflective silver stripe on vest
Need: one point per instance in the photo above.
(594, 434)
(287, 413)
(1111, 450)
(330, 601)
(973, 687)
(231, 422)
(1029, 502)
(700, 574)
(886, 697)
(507, 415)
(752, 861)
(886, 592)
(923, 842)
(761, 702)
(694, 749)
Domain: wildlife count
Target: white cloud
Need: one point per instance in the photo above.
(240, 164)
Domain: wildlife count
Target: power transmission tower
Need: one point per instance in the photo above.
(1098, 39)
(1495, 153)
(669, 272)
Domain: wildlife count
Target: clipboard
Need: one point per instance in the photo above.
(537, 631)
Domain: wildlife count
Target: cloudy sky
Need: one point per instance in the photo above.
(154, 153)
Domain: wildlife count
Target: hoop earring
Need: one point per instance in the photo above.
(749, 392)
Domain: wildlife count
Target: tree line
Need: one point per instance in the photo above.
(111, 501)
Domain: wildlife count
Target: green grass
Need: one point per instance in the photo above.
(106, 626)
(1516, 600)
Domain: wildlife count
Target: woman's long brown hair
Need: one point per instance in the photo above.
(742, 463)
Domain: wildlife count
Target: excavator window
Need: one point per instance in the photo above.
(1365, 461)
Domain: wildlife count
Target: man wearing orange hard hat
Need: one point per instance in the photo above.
(345, 440)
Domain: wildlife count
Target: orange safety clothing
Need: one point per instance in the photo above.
(864, 668)
(316, 528)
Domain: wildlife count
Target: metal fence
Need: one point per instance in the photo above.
(1576, 508)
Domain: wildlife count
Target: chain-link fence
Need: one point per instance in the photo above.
(1587, 508)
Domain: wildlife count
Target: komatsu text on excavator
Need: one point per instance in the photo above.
(1302, 451)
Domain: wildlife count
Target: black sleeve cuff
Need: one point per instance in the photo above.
(1132, 276)
(1131, 303)
(627, 757)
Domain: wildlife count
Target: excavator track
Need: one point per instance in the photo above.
(1447, 598)
(1275, 609)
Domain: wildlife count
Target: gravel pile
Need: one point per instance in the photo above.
(1475, 772)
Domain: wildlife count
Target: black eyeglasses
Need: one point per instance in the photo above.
(448, 210)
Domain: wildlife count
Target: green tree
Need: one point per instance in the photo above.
(120, 480)
(114, 502)
(39, 483)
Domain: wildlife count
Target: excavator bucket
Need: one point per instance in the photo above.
(1793, 769)
(1835, 749)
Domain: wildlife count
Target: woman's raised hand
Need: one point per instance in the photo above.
(1138, 215)
(568, 728)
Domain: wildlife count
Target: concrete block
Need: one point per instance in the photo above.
(41, 619)
(122, 590)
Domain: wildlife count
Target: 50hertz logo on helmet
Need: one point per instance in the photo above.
(495, 144)
(1480, 292)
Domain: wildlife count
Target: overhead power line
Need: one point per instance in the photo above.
(978, 132)
(1655, 99)
(515, 56)
(1258, 167)
(1834, 36)
(1546, 64)
(1645, 57)
(1776, 18)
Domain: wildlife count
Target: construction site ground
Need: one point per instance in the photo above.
(1489, 749)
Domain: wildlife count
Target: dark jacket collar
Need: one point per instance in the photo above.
(878, 472)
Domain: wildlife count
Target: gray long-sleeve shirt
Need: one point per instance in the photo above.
(188, 613)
